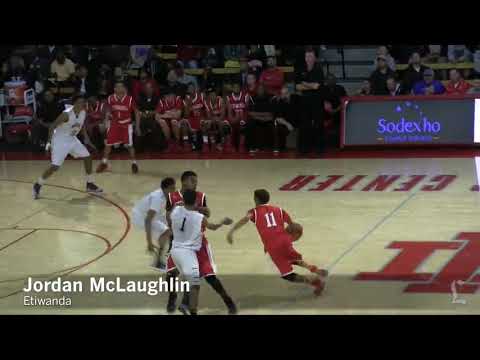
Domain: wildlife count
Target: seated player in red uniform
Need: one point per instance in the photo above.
(168, 115)
(216, 111)
(278, 243)
(95, 122)
(120, 129)
(237, 105)
(195, 122)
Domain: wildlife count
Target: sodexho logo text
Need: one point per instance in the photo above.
(408, 124)
(408, 127)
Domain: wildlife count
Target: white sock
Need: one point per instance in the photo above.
(134, 161)
(205, 139)
(89, 178)
(41, 181)
(104, 160)
(185, 138)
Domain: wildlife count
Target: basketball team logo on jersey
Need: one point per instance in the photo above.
(458, 276)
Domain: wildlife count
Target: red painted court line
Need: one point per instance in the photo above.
(331, 154)
(109, 248)
(19, 239)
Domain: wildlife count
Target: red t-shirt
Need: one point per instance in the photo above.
(121, 108)
(95, 113)
(273, 81)
(269, 221)
(459, 88)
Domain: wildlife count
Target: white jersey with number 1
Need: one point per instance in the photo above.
(187, 228)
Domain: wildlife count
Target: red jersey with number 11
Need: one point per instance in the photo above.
(270, 221)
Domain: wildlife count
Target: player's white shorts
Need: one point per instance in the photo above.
(64, 145)
(158, 227)
(187, 263)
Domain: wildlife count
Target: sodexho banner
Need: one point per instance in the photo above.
(410, 120)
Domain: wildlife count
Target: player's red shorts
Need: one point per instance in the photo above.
(283, 254)
(120, 134)
(205, 260)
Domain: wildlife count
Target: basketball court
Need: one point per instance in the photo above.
(397, 233)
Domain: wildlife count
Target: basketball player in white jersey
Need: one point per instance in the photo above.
(149, 214)
(187, 225)
(62, 139)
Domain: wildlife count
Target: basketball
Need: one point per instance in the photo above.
(296, 230)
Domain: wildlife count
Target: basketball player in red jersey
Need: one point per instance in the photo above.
(95, 122)
(120, 130)
(205, 260)
(237, 105)
(278, 243)
(194, 124)
(216, 111)
(168, 115)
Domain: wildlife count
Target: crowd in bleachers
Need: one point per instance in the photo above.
(185, 105)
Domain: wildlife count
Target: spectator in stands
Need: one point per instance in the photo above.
(183, 78)
(256, 57)
(252, 84)
(380, 75)
(62, 68)
(84, 84)
(139, 85)
(115, 55)
(139, 55)
(259, 130)
(47, 52)
(383, 51)
(333, 93)
(365, 89)
(146, 105)
(402, 53)
(272, 77)
(17, 67)
(214, 57)
(456, 85)
(428, 86)
(436, 54)
(413, 73)
(394, 88)
(244, 71)
(189, 55)
(285, 117)
(233, 54)
(48, 111)
(4, 73)
(459, 53)
(475, 89)
(308, 80)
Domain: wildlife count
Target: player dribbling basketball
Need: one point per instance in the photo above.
(278, 243)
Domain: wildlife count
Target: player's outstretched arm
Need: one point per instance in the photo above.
(236, 227)
(204, 210)
(211, 226)
(62, 118)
